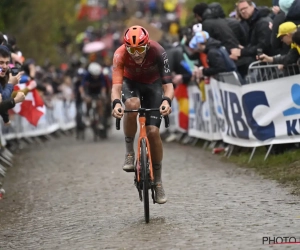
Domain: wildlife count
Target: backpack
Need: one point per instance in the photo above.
(230, 65)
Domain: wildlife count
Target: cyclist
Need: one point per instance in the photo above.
(94, 87)
(141, 71)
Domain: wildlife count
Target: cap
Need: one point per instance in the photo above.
(197, 27)
(199, 37)
(285, 5)
(286, 28)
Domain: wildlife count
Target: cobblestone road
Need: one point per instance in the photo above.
(74, 196)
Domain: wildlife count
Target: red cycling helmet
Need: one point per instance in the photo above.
(136, 36)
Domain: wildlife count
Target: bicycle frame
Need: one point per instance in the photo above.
(143, 135)
(143, 179)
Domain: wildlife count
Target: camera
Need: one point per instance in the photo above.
(259, 51)
(14, 71)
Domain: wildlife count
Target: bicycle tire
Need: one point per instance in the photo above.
(94, 124)
(145, 178)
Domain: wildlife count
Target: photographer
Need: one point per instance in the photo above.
(7, 80)
(10, 44)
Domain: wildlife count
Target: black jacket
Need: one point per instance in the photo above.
(5, 105)
(278, 47)
(238, 30)
(216, 60)
(291, 57)
(219, 30)
(234, 24)
(259, 32)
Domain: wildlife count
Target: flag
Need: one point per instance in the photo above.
(181, 94)
(32, 108)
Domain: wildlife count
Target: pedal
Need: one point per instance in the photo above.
(152, 191)
(129, 170)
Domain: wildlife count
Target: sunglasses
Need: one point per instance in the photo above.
(140, 50)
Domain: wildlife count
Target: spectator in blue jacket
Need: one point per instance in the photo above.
(7, 81)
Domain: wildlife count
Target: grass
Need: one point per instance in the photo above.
(283, 168)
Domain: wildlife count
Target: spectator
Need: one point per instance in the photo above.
(7, 81)
(278, 47)
(176, 58)
(285, 32)
(296, 43)
(233, 23)
(216, 27)
(296, 39)
(291, 8)
(217, 56)
(256, 21)
(66, 88)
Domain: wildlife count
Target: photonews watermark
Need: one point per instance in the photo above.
(281, 240)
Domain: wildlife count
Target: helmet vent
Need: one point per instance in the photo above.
(134, 39)
(144, 31)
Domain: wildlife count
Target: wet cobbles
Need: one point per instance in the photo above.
(74, 195)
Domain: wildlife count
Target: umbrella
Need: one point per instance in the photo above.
(93, 47)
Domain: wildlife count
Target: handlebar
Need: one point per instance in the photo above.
(142, 110)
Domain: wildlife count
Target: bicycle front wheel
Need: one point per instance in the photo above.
(145, 179)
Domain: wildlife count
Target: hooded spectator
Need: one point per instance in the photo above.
(216, 27)
(234, 24)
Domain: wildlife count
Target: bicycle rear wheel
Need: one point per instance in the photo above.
(145, 179)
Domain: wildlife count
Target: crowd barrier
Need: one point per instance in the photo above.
(262, 113)
(57, 115)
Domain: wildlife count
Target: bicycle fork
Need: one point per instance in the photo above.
(137, 178)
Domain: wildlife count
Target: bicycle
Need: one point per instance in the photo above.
(99, 130)
(143, 178)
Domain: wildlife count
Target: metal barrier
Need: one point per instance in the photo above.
(229, 77)
(259, 71)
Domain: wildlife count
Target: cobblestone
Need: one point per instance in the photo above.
(74, 195)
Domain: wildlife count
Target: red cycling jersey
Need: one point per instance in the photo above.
(155, 66)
